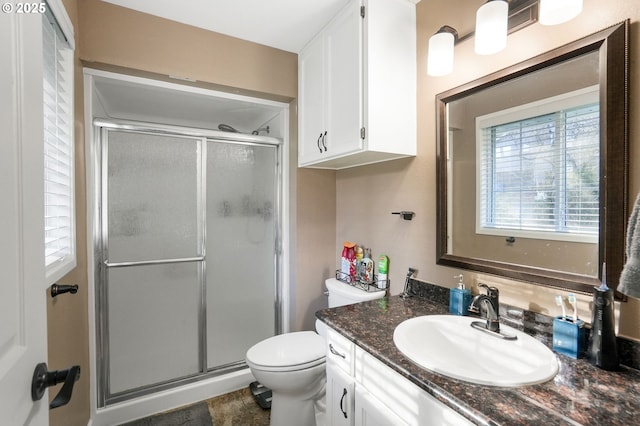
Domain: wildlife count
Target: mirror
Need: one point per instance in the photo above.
(532, 167)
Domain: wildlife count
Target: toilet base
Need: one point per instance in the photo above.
(287, 411)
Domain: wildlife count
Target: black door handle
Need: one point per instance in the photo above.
(42, 379)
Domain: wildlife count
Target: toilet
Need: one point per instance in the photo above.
(292, 365)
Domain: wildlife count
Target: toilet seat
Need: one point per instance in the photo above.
(288, 352)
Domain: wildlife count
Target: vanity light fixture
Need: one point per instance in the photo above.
(491, 27)
(553, 12)
(494, 20)
(440, 57)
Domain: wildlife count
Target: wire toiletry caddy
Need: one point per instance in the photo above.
(376, 285)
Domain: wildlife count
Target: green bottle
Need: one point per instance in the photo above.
(383, 271)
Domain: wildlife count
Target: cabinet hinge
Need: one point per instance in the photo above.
(362, 133)
(362, 11)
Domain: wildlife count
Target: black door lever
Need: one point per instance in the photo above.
(42, 379)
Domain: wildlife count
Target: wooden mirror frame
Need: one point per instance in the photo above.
(612, 45)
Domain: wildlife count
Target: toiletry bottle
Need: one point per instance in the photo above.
(351, 256)
(603, 351)
(348, 254)
(359, 256)
(366, 268)
(383, 271)
(459, 298)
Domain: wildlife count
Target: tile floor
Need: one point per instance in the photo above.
(237, 408)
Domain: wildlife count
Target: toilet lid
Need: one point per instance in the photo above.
(289, 349)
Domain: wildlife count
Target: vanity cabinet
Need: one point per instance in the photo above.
(340, 397)
(340, 386)
(410, 404)
(363, 391)
(371, 412)
(357, 87)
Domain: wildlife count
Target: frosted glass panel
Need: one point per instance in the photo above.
(153, 324)
(152, 189)
(241, 202)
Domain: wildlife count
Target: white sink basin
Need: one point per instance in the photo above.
(448, 345)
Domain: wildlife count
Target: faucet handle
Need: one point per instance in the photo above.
(491, 291)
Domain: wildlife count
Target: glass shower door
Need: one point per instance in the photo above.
(241, 225)
(187, 273)
(153, 259)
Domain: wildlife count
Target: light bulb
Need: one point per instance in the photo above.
(553, 12)
(440, 56)
(491, 27)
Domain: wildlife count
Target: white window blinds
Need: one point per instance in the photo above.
(58, 144)
(541, 174)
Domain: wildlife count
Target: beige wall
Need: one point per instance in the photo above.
(364, 215)
(314, 255)
(126, 38)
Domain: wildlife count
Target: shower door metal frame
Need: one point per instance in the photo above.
(202, 136)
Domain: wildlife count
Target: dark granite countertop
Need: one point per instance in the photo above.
(579, 394)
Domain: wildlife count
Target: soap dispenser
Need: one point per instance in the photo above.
(459, 298)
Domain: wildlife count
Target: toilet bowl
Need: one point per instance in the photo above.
(292, 365)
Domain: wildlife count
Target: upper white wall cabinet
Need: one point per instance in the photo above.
(357, 87)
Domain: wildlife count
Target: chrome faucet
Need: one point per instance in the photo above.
(491, 303)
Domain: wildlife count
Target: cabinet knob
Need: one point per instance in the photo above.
(324, 138)
(318, 143)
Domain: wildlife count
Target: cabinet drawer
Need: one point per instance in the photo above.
(340, 351)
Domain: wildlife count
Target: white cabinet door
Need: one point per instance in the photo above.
(344, 82)
(23, 338)
(330, 89)
(364, 91)
(371, 412)
(311, 109)
(340, 397)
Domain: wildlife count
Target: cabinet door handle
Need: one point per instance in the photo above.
(324, 138)
(344, 412)
(333, 351)
(318, 143)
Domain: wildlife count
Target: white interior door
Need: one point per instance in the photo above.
(22, 284)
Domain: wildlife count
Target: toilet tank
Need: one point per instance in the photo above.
(343, 294)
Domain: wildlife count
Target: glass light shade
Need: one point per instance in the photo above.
(553, 12)
(491, 27)
(440, 57)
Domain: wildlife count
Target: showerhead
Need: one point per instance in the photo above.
(226, 128)
(261, 129)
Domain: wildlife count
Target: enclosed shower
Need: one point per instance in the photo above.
(187, 253)
(187, 262)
